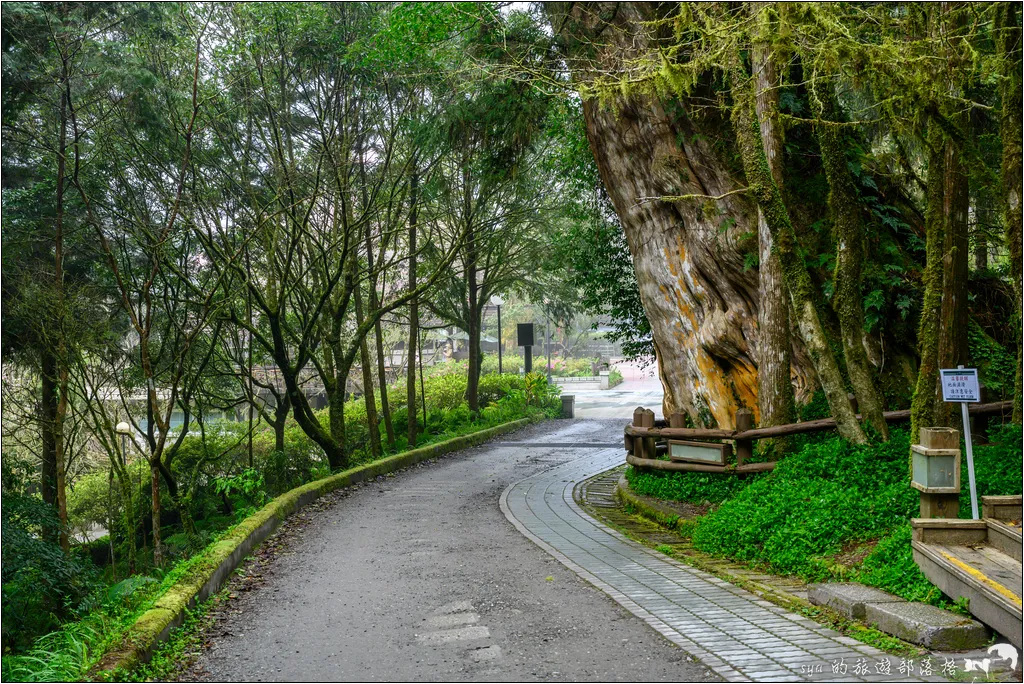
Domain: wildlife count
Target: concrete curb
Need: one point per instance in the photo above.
(205, 573)
(647, 507)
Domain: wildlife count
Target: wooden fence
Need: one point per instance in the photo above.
(646, 437)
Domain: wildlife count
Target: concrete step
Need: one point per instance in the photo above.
(918, 623)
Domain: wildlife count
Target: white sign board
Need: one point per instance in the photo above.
(960, 385)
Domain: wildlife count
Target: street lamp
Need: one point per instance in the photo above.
(547, 334)
(123, 429)
(498, 301)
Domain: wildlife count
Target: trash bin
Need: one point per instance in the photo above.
(568, 405)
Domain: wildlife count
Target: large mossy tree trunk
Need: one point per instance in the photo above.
(951, 25)
(1008, 47)
(922, 406)
(689, 256)
(848, 234)
(762, 187)
(775, 391)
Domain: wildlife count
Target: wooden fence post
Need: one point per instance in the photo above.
(744, 447)
(638, 421)
(649, 448)
(853, 402)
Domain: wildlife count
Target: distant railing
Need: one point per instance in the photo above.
(646, 437)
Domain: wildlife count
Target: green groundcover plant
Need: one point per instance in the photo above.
(830, 511)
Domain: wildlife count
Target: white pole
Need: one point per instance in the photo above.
(970, 459)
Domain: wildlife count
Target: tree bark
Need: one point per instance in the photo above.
(1008, 47)
(774, 387)
(59, 341)
(922, 406)
(955, 270)
(280, 420)
(48, 418)
(956, 202)
(368, 392)
(382, 378)
(154, 481)
(410, 381)
(473, 323)
(689, 256)
(763, 188)
(848, 234)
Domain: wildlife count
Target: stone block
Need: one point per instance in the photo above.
(848, 598)
(931, 627)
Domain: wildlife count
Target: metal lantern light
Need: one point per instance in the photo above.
(125, 430)
(935, 471)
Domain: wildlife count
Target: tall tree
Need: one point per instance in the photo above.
(952, 27)
(774, 389)
(798, 282)
(1008, 50)
(850, 241)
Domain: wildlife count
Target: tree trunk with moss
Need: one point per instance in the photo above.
(774, 388)
(922, 406)
(956, 202)
(1008, 46)
(848, 233)
(762, 187)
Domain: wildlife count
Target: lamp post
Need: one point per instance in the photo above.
(497, 301)
(123, 429)
(547, 335)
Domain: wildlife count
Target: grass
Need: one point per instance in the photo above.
(831, 511)
(171, 656)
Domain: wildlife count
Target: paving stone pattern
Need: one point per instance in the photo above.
(737, 634)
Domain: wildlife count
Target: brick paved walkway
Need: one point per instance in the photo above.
(734, 632)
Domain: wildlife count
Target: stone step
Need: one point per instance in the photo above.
(918, 623)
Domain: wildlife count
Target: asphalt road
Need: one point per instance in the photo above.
(419, 577)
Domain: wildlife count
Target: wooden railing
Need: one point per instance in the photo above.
(646, 437)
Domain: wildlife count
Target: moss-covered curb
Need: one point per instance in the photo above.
(646, 506)
(206, 572)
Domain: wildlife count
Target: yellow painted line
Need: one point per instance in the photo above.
(981, 577)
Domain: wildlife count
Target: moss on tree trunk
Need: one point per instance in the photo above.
(848, 233)
(1008, 47)
(922, 406)
(774, 387)
(763, 188)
